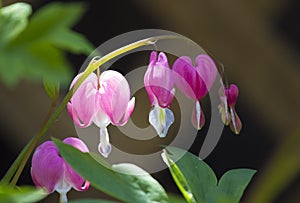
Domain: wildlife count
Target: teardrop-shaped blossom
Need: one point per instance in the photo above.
(159, 84)
(51, 172)
(102, 100)
(228, 98)
(195, 82)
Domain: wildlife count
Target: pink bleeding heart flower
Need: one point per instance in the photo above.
(159, 84)
(228, 97)
(102, 100)
(51, 172)
(195, 82)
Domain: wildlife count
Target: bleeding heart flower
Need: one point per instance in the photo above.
(102, 100)
(159, 84)
(195, 82)
(50, 171)
(228, 97)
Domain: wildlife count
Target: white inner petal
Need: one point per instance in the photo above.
(104, 146)
(161, 119)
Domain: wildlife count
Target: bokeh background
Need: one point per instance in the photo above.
(258, 41)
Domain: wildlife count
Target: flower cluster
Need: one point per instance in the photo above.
(104, 99)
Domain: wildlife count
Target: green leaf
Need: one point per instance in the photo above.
(51, 88)
(216, 194)
(129, 187)
(235, 181)
(91, 201)
(71, 41)
(179, 178)
(199, 176)
(13, 20)
(202, 180)
(21, 194)
(52, 23)
(38, 51)
(176, 199)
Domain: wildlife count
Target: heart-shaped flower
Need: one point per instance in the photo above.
(51, 172)
(102, 100)
(159, 84)
(195, 82)
(228, 98)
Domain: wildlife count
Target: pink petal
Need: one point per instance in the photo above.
(115, 94)
(71, 176)
(81, 105)
(129, 110)
(47, 166)
(232, 93)
(151, 95)
(186, 77)
(160, 79)
(207, 70)
(100, 118)
(153, 57)
(74, 179)
(194, 82)
(77, 143)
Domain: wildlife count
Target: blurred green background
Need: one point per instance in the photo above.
(258, 41)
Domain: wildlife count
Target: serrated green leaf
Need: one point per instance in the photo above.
(235, 181)
(92, 201)
(125, 187)
(13, 20)
(197, 173)
(21, 194)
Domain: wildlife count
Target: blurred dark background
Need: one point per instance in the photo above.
(258, 41)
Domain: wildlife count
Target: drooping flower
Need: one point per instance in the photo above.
(102, 100)
(195, 82)
(159, 84)
(228, 98)
(51, 172)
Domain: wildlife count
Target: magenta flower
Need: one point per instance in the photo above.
(50, 171)
(228, 97)
(159, 84)
(102, 100)
(195, 82)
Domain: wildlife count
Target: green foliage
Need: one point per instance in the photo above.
(133, 184)
(179, 179)
(35, 50)
(91, 201)
(193, 170)
(52, 89)
(13, 20)
(202, 180)
(235, 181)
(21, 194)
